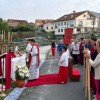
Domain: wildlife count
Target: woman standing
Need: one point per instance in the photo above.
(75, 52)
(53, 48)
(96, 65)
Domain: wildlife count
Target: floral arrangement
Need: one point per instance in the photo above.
(21, 72)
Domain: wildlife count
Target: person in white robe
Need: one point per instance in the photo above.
(63, 63)
(34, 64)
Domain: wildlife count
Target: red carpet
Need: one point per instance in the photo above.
(44, 79)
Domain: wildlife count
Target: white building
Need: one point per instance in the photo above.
(81, 22)
(47, 25)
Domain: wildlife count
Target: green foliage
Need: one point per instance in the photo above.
(3, 25)
(23, 28)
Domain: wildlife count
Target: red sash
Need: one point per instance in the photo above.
(0, 67)
(30, 57)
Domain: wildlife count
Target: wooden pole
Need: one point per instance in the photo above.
(84, 73)
(88, 68)
(8, 37)
(86, 80)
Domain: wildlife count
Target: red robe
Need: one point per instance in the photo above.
(81, 54)
(0, 68)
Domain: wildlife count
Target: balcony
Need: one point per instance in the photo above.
(80, 25)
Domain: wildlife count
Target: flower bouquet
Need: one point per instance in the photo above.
(21, 74)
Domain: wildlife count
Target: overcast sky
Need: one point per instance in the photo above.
(44, 9)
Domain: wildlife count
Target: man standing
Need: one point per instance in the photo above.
(59, 47)
(81, 52)
(34, 61)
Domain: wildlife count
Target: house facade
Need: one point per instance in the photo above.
(47, 25)
(81, 22)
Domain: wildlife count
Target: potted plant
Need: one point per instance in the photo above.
(21, 74)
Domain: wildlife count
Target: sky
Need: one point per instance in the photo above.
(31, 10)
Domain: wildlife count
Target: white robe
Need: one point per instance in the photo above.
(28, 49)
(34, 69)
(64, 59)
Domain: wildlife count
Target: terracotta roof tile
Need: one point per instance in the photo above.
(70, 16)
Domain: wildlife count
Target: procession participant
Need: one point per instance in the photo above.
(63, 62)
(93, 56)
(81, 52)
(96, 65)
(34, 61)
(53, 48)
(75, 52)
(59, 47)
(28, 49)
(71, 46)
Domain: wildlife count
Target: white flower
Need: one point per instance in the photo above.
(22, 70)
(21, 74)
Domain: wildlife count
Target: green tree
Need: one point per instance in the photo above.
(3, 25)
(23, 28)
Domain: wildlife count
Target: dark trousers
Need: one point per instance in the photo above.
(75, 57)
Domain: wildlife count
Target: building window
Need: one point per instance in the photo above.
(61, 30)
(47, 28)
(58, 30)
(93, 22)
(56, 27)
(78, 29)
(80, 23)
(71, 24)
(58, 24)
(51, 28)
(61, 23)
(64, 23)
(55, 24)
(84, 15)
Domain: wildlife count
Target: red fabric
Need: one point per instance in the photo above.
(92, 81)
(80, 55)
(30, 57)
(12, 54)
(92, 50)
(0, 68)
(53, 51)
(8, 70)
(63, 74)
(97, 89)
(68, 35)
(75, 73)
(38, 53)
(44, 79)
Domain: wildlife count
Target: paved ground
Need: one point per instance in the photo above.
(69, 91)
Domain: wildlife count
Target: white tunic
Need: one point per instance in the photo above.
(64, 59)
(75, 49)
(28, 47)
(34, 70)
